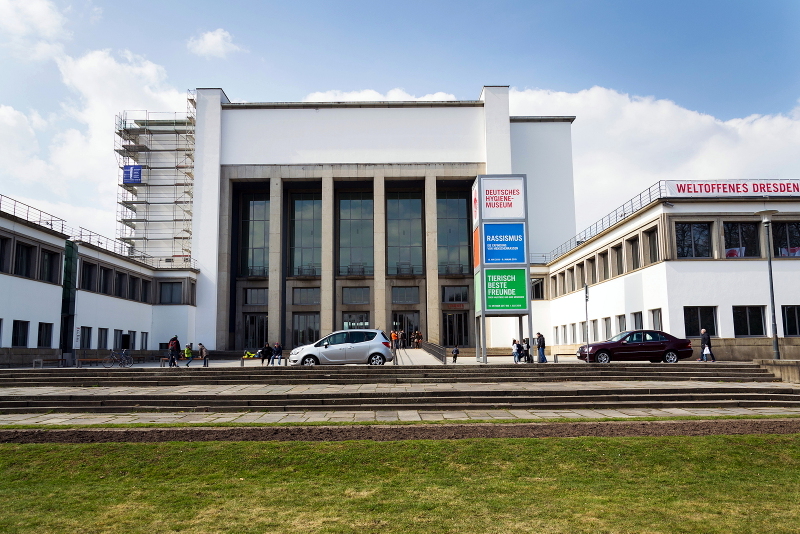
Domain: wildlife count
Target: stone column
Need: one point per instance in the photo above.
(326, 292)
(380, 291)
(432, 259)
(274, 331)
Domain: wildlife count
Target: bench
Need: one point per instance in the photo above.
(62, 362)
(79, 361)
(165, 361)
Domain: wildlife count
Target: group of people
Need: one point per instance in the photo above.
(175, 351)
(521, 351)
(399, 339)
(271, 353)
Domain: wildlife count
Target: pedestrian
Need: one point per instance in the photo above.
(516, 349)
(188, 354)
(174, 348)
(394, 339)
(705, 347)
(455, 352)
(266, 353)
(203, 354)
(526, 350)
(540, 346)
(402, 339)
(277, 350)
(418, 339)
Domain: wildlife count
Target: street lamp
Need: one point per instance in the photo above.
(766, 219)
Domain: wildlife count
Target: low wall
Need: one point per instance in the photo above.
(786, 370)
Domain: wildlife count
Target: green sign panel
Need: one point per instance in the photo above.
(506, 289)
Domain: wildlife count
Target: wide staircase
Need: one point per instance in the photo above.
(401, 388)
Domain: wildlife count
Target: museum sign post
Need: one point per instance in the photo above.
(500, 253)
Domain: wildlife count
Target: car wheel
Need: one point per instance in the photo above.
(376, 359)
(671, 357)
(309, 360)
(602, 357)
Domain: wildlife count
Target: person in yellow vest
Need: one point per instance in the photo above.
(188, 354)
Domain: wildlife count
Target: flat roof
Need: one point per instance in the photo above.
(544, 118)
(370, 104)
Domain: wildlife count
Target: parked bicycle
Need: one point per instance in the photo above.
(121, 358)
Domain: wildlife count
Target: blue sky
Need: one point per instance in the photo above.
(676, 80)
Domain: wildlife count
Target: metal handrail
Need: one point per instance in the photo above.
(437, 351)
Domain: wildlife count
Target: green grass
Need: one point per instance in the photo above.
(673, 484)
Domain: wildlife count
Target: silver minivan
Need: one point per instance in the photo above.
(345, 346)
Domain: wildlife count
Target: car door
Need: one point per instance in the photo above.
(333, 349)
(630, 347)
(654, 346)
(357, 347)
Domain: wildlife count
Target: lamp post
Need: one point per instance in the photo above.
(766, 219)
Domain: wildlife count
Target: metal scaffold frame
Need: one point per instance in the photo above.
(155, 215)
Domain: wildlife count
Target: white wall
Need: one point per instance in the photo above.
(29, 300)
(169, 320)
(351, 135)
(102, 311)
(543, 151)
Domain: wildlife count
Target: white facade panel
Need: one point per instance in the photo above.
(101, 311)
(32, 301)
(180, 320)
(351, 135)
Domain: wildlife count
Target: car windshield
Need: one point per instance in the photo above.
(619, 336)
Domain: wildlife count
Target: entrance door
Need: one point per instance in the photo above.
(305, 328)
(255, 330)
(407, 321)
(455, 329)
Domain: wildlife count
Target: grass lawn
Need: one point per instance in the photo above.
(671, 484)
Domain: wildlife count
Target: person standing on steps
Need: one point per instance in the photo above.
(540, 346)
(188, 354)
(174, 348)
(455, 352)
(277, 350)
(516, 349)
(705, 347)
(203, 354)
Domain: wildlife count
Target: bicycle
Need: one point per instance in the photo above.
(121, 358)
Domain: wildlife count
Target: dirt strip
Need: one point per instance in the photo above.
(407, 432)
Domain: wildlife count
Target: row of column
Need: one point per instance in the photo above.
(381, 310)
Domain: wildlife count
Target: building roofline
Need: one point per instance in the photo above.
(544, 118)
(376, 104)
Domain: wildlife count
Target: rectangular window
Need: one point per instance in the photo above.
(5, 253)
(120, 285)
(255, 330)
(49, 266)
(583, 331)
(655, 319)
(537, 288)
(352, 320)
(254, 259)
(102, 338)
(603, 259)
(786, 239)
(619, 265)
(133, 287)
(562, 283)
(595, 333)
(607, 328)
(651, 236)
(695, 318)
(555, 335)
(88, 276)
(23, 260)
(356, 235)
(105, 280)
(741, 240)
(455, 294)
(305, 296)
(45, 339)
(573, 330)
(564, 339)
(553, 287)
(355, 295)
(171, 292)
(305, 234)
(622, 324)
(146, 291)
(637, 320)
(256, 296)
(591, 271)
(570, 280)
(193, 293)
(791, 320)
(132, 336)
(579, 279)
(453, 228)
(748, 321)
(19, 333)
(633, 253)
(117, 339)
(145, 339)
(305, 328)
(693, 240)
(405, 295)
(86, 337)
(404, 239)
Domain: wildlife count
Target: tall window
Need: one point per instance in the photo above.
(693, 240)
(105, 280)
(607, 327)
(255, 330)
(49, 267)
(355, 295)
(132, 337)
(45, 339)
(356, 249)
(695, 318)
(405, 295)
(352, 320)
(591, 272)
(633, 250)
(19, 333)
(117, 339)
(145, 291)
(786, 238)
(452, 294)
(537, 288)
(23, 260)
(102, 338)
(619, 265)
(555, 335)
(305, 296)
(404, 248)
(305, 328)
(145, 339)
(133, 287)
(170, 292)
(305, 234)
(453, 227)
(748, 321)
(622, 324)
(86, 337)
(651, 237)
(637, 320)
(88, 276)
(791, 320)
(254, 260)
(603, 259)
(741, 240)
(5, 253)
(121, 285)
(655, 319)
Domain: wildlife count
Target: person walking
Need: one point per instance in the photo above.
(526, 350)
(188, 354)
(540, 346)
(516, 349)
(277, 350)
(203, 354)
(455, 352)
(174, 348)
(394, 339)
(266, 353)
(418, 339)
(705, 347)
(402, 337)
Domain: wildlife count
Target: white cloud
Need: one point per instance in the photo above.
(217, 43)
(32, 28)
(622, 144)
(369, 95)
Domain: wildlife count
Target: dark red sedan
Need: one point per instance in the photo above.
(638, 345)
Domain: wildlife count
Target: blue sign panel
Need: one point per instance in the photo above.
(132, 174)
(504, 243)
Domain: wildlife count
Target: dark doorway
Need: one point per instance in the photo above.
(455, 329)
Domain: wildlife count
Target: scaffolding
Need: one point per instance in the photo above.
(154, 209)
